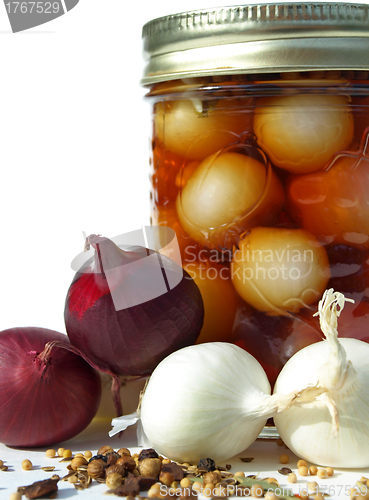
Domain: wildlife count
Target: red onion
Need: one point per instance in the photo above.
(111, 317)
(47, 393)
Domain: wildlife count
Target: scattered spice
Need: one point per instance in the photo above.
(48, 469)
(27, 464)
(247, 459)
(206, 464)
(285, 471)
(50, 453)
(284, 459)
(39, 488)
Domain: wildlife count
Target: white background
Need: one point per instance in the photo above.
(74, 146)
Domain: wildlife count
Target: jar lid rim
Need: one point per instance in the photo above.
(242, 39)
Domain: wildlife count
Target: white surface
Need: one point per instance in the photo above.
(265, 464)
(74, 157)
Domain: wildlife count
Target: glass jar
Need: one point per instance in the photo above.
(260, 164)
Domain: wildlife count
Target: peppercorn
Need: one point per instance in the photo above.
(186, 483)
(96, 468)
(150, 467)
(113, 480)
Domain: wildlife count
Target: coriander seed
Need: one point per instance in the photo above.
(114, 480)
(27, 464)
(78, 462)
(284, 459)
(104, 450)
(150, 467)
(50, 453)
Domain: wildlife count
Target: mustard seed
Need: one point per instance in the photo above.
(154, 491)
(67, 453)
(165, 461)
(322, 473)
(313, 470)
(257, 491)
(303, 470)
(1, 463)
(79, 455)
(166, 478)
(330, 471)
(304, 495)
(197, 486)
(319, 496)
(301, 463)
(312, 486)
(27, 464)
(60, 452)
(270, 495)
(239, 474)
(15, 496)
(291, 478)
(186, 483)
(50, 453)
(88, 454)
(284, 459)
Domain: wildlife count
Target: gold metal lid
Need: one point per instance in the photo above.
(259, 38)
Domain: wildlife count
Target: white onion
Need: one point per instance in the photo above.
(207, 400)
(328, 424)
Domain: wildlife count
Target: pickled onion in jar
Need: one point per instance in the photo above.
(300, 133)
(334, 204)
(219, 297)
(196, 129)
(228, 193)
(277, 270)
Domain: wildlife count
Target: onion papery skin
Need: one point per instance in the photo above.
(308, 432)
(204, 401)
(131, 341)
(43, 401)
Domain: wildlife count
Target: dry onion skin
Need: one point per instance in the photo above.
(300, 133)
(206, 400)
(328, 423)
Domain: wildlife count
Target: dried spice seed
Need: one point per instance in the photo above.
(174, 469)
(284, 459)
(285, 471)
(124, 451)
(127, 462)
(147, 453)
(48, 469)
(104, 450)
(3, 468)
(98, 457)
(247, 459)
(40, 488)
(206, 464)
